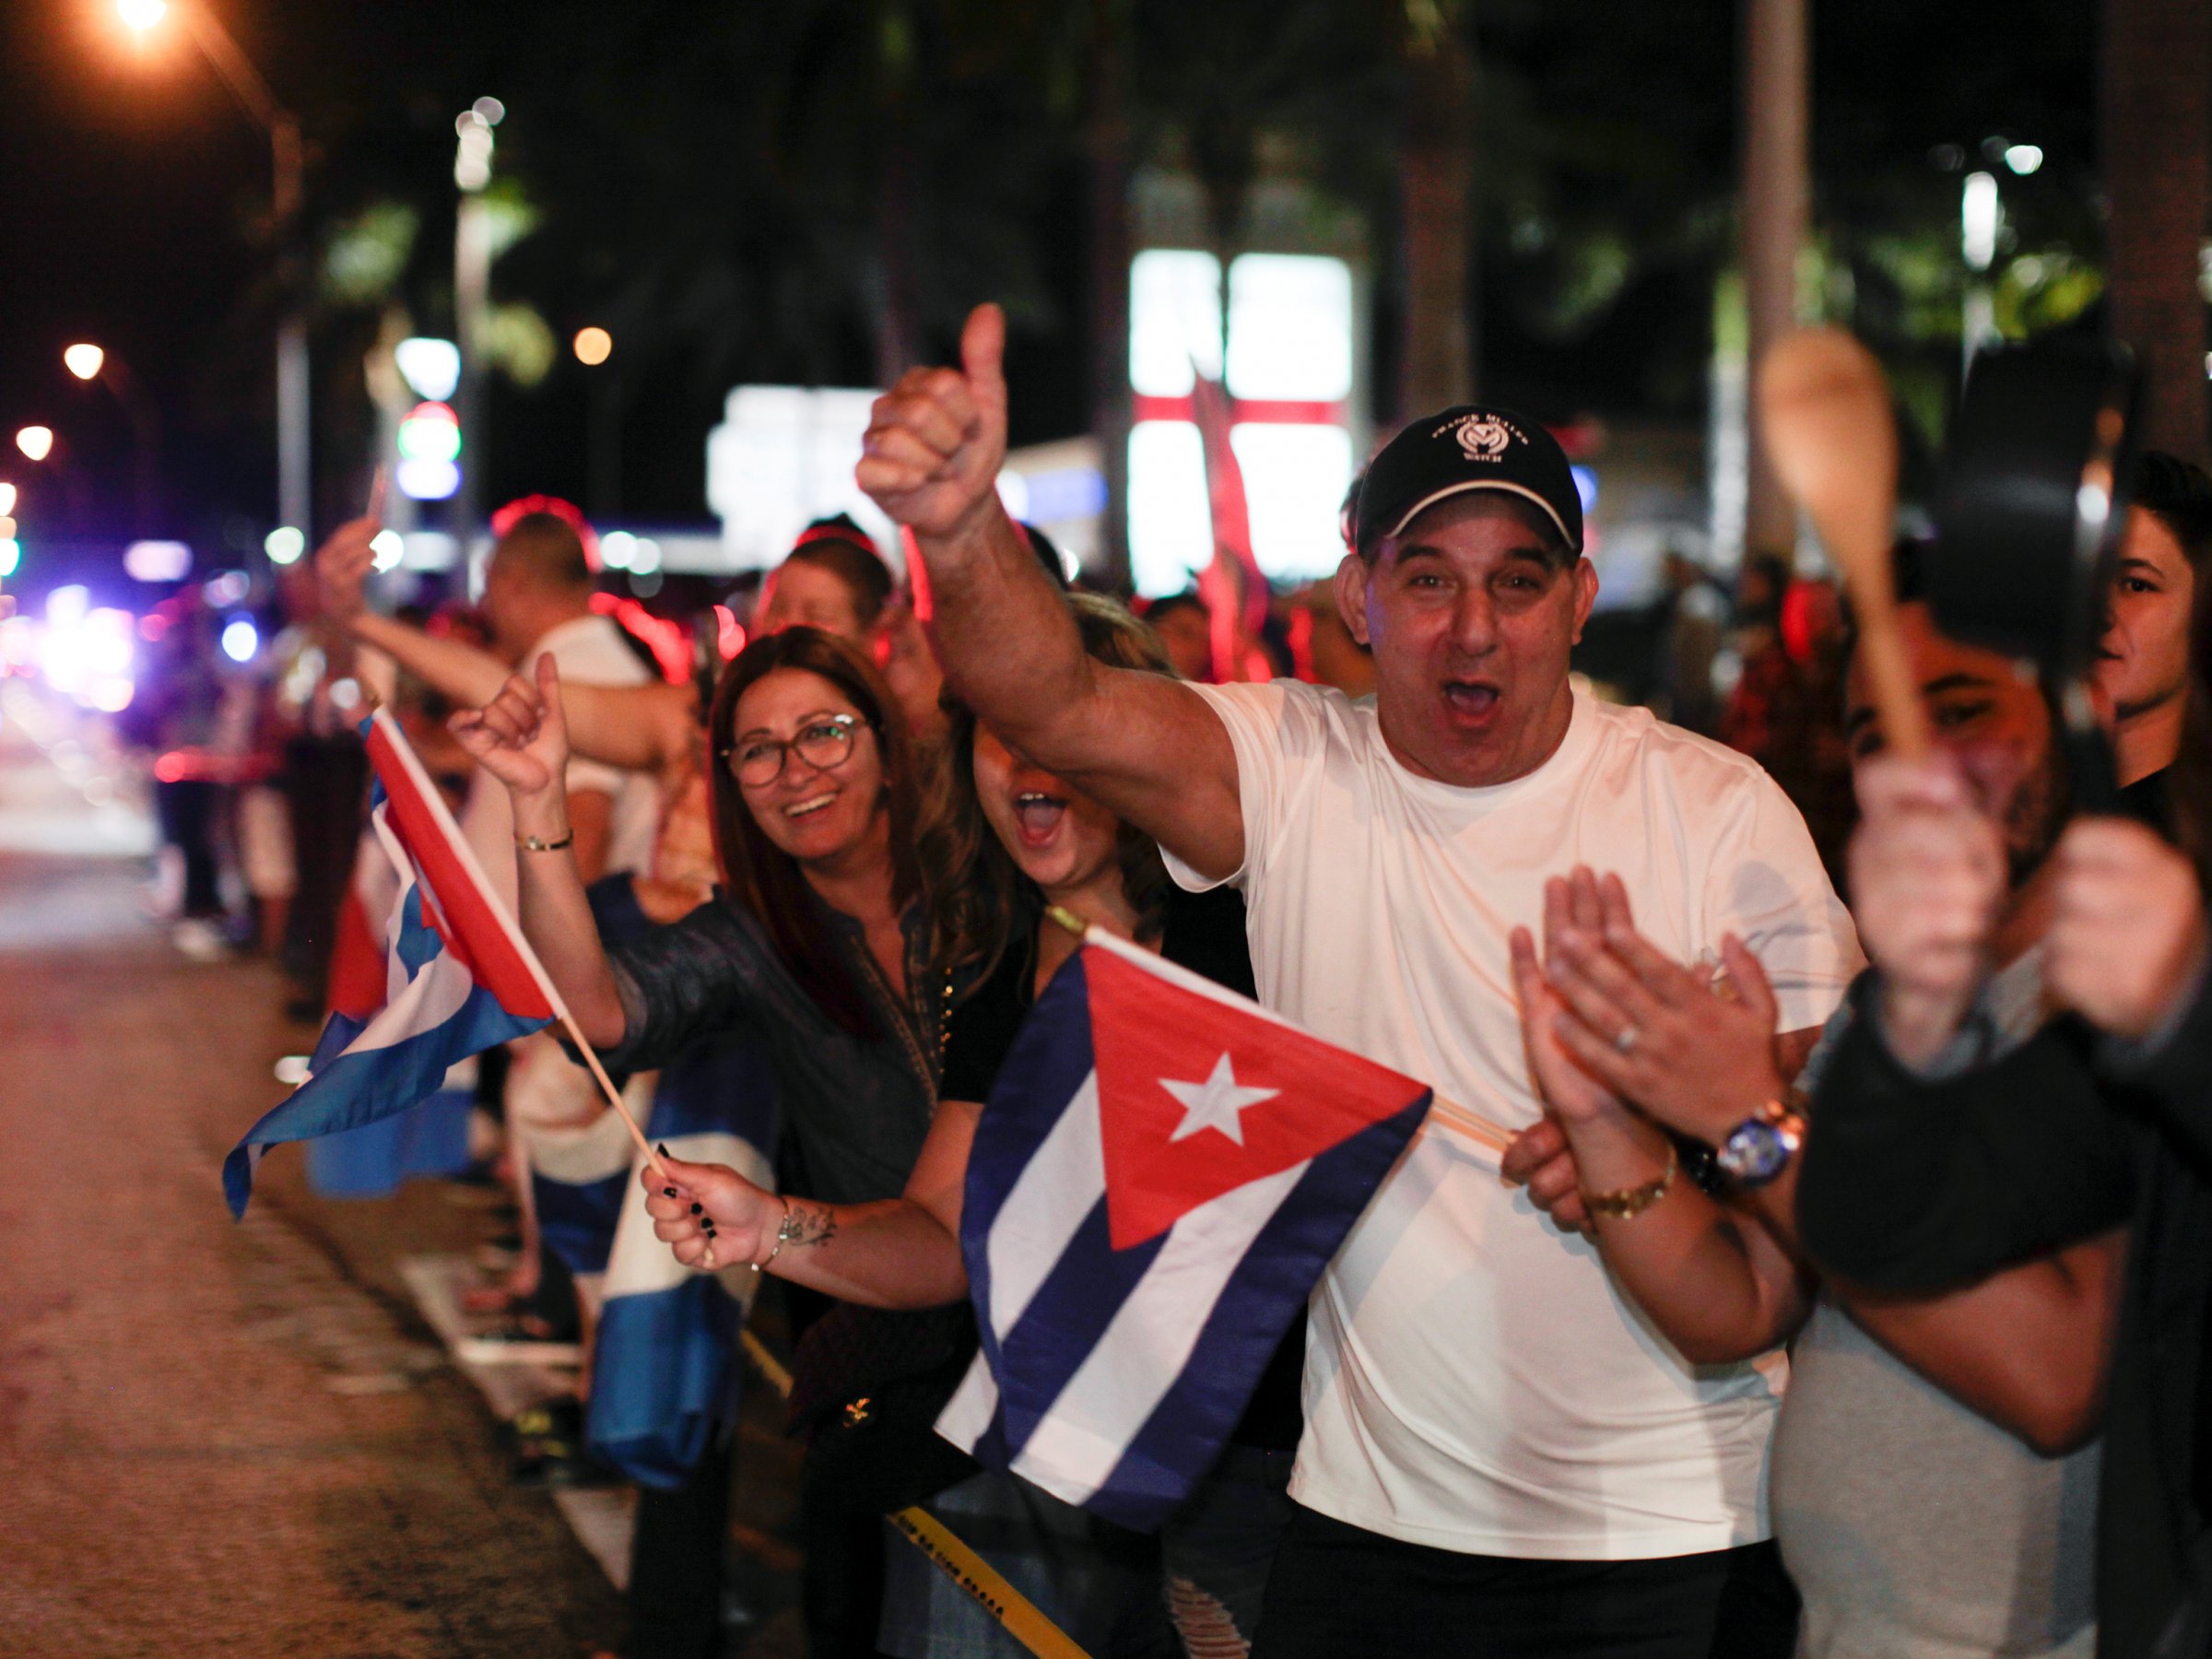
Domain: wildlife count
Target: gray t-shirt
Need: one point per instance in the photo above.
(1914, 1527)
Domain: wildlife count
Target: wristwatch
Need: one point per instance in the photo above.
(1760, 1148)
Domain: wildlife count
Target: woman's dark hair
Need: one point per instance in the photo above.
(983, 903)
(845, 556)
(2177, 493)
(761, 876)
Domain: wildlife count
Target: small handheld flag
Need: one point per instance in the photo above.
(1162, 1172)
(459, 978)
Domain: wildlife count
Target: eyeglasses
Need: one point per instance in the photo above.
(825, 743)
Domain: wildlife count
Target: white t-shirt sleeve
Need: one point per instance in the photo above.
(1273, 728)
(1767, 886)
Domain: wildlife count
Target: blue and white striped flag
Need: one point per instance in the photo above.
(663, 1376)
(1162, 1172)
(459, 976)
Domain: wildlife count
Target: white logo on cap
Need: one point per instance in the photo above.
(1485, 437)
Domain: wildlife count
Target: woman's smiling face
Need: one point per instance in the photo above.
(810, 811)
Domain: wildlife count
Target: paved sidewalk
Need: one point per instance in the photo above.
(219, 1439)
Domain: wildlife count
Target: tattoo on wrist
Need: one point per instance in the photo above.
(809, 1226)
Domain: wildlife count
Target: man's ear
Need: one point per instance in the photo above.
(1351, 596)
(1585, 592)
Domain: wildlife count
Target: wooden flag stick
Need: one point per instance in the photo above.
(1824, 408)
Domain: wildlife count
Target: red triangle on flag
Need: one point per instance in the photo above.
(463, 914)
(1198, 1097)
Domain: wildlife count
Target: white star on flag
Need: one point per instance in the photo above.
(1215, 1103)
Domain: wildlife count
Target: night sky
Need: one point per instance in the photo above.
(131, 184)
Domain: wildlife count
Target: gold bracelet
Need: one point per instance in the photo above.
(1628, 1203)
(531, 843)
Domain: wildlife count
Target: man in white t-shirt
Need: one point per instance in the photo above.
(1501, 1455)
(537, 602)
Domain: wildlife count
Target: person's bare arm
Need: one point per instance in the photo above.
(2027, 1348)
(519, 738)
(467, 673)
(897, 1252)
(591, 814)
(1145, 746)
(639, 728)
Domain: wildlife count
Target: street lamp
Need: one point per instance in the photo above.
(253, 95)
(472, 291)
(603, 431)
(35, 442)
(90, 363)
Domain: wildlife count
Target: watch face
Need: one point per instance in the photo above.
(1756, 1152)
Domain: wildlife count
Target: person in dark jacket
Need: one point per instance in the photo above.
(1916, 1184)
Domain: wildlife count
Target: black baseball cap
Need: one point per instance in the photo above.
(1466, 447)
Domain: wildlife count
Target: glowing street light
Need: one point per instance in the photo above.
(594, 346)
(288, 154)
(285, 544)
(8, 501)
(88, 363)
(35, 442)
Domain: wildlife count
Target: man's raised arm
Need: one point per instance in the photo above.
(1146, 747)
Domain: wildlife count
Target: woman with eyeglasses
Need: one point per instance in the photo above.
(814, 944)
(817, 939)
(1017, 842)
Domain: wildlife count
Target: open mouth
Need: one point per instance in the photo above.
(1038, 816)
(810, 806)
(1474, 701)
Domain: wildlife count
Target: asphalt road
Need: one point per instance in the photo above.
(216, 1437)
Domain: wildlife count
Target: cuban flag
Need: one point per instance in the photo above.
(459, 976)
(665, 1373)
(1162, 1171)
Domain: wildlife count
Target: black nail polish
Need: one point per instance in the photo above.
(667, 1191)
(698, 1209)
(661, 1148)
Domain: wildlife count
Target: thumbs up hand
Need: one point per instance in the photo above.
(937, 440)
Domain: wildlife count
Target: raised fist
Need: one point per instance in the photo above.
(937, 440)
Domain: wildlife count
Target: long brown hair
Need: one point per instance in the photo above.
(984, 902)
(761, 876)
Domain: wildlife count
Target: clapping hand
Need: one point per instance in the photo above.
(1660, 1035)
